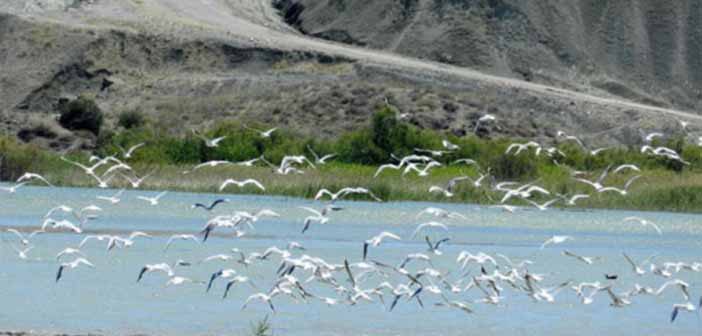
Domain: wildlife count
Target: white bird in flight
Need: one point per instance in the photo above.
(318, 216)
(175, 237)
(69, 251)
(571, 201)
(127, 154)
(377, 240)
(483, 119)
(345, 192)
(624, 167)
(438, 189)
(209, 164)
(449, 146)
(651, 136)
(161, 267)
(73, 264)
(114, 199)
(242, 184)
(153, 200)
(421, 172)
(434, 247)
(33, 176)
(262, 133)
(211, 143)
(638, 270)
(63, 208)
(543, 206)
(587, 260)
(556, 240)
(320, 160)
(624, 191)
(248, 163)
(22, 253)
(644, 222)
(428, 225)
(465, 161)
(438, 212)
(179, 280)
(387, 166)
(235, 280)
(87, 170)
(262, 297)
(689, 307)
(61, 225)
(13, 189)
(24, 240)
(597, 184)
(137, 181)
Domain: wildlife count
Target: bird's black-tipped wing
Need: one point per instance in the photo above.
(214, 276)
(226, 290)
(199, 205)
(419, 300)
(211, 206)
(141, 273)
(281, 268)
(59, 273)
(348, 272)
(416, 292)
(307, 225)
(394, 302)
(436, 246)
(426, 239)
(404, 263)
(217, 202)
(206, 233)
(365, 250)
(674, 314)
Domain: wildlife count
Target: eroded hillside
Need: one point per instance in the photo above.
(193, 63)
(646, 50)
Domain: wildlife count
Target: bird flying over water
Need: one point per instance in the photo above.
(211, 206)
(70, 265)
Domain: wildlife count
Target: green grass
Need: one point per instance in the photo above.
(664, 185)
(657, 189)
(262, 328)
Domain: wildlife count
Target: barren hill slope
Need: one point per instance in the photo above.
(647, 50)
(189, 63)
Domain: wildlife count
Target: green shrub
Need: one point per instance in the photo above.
(189, 150)
(358, 147)
(514, 167)
(16, 159)
(131, 119)
(106, 138)
(393, 136)
(81, 114)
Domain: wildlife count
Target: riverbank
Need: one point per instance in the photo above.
(665, 184)
(656, 190)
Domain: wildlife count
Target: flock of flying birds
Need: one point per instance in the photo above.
(476, 279)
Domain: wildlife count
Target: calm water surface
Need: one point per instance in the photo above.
(108, 300)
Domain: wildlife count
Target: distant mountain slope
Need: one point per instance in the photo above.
(198, 62)
(647, 50)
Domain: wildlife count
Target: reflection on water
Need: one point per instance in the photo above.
(108, 299)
